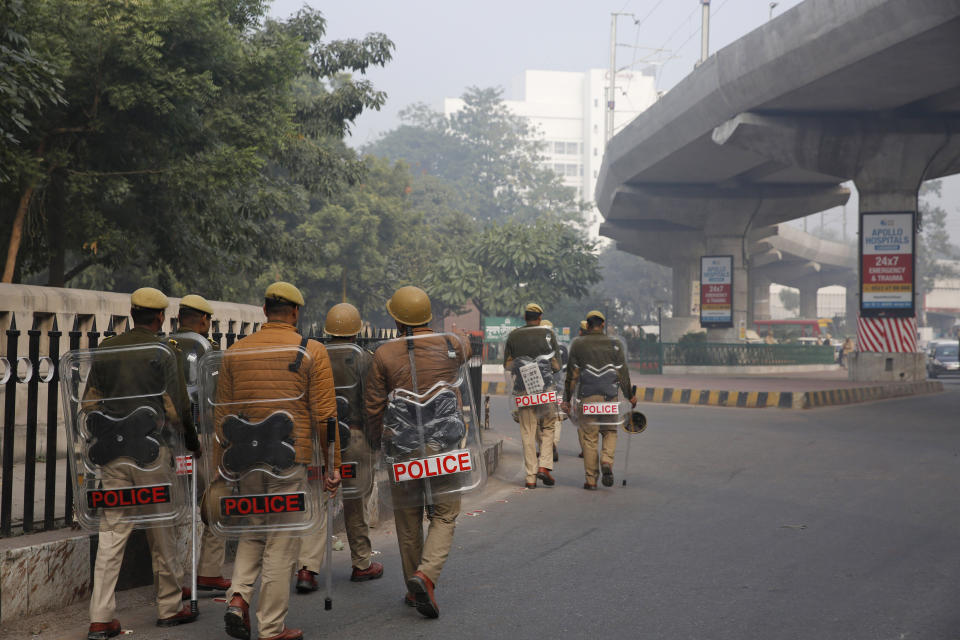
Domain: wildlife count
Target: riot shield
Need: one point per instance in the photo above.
(124, 435)
(192, 346)
(357, 461)
(597, 398)
(534, 384)
(251, 403)
(431, 447)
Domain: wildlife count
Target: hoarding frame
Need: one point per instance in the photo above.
(893, 312)
(709, 324)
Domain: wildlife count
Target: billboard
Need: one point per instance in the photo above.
(716, 292)
(887, 251)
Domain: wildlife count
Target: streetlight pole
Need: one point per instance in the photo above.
(773, 5)
(705, 31)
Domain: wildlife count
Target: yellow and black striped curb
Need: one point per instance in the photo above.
(766, 399)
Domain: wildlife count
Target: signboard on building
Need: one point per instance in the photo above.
(496, 329)
(716, 292)
(887, 251)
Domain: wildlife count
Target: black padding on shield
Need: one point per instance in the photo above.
(258, 443)
(134, 435)
(599, 383)
(440, 423)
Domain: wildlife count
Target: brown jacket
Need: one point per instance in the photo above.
(309, 391)
(391, 370)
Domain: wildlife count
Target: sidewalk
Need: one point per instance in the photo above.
(802, 390)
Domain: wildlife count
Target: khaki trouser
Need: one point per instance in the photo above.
(210, 556)
(427, 556)
(557, 424)
(313, 548)
(529, 421)
(590, 431)
(113, 540)
(270, 557)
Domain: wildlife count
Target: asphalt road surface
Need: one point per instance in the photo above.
(734, 524)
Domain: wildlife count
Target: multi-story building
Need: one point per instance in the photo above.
(567, 110)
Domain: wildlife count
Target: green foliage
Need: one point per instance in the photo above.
(506, 265)
(934, 248)
(28, 83)
(195, 135)
(488, 155)
(627, 293)
(790, 299)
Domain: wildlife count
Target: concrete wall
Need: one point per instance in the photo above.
(887, 367)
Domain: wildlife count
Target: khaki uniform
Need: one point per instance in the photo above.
(313, 548)
(271, 557)
(391, 370)
(134, 379)
(597, 350)
(538, 423)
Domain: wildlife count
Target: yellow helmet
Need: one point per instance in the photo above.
(546, 323)
(410, 306)
(343, 321)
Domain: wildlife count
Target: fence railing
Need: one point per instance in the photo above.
(652, 358)
(31, 387)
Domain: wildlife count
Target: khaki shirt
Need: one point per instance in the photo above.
(531, 341)
(597, 350)
(136, 378)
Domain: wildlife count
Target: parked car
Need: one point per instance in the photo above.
(942, 358)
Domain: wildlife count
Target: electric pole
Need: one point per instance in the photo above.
(705, 31)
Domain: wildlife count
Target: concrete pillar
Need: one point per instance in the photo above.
(808, 300)
(852, 308)
(731, 245)
(685, 273)
(759, 303)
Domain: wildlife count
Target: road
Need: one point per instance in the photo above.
(735, 523)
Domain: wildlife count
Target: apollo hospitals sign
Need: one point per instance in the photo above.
(716, 292)
(887, 251)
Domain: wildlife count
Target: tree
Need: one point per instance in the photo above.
(491, 157)
(934, 249)
(27, 84)
(790, 299)
(506, 265)
(195, 134)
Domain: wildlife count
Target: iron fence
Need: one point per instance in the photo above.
(652, 358)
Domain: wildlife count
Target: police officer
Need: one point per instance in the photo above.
(529, 342)
(597, 350)
(422, 559)
(194, 317)
(271, 557)
(147, 308)
(343, 323)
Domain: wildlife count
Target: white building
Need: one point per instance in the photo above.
(567, 109)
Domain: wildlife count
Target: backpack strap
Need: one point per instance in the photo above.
(295, 365)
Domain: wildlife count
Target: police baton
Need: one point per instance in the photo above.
(194, 605)
(626, 457)
(331, 445)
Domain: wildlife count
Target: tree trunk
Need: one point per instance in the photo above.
(16, 234)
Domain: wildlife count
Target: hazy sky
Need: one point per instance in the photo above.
(442, 47)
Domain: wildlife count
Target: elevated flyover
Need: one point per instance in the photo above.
(769, 127)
